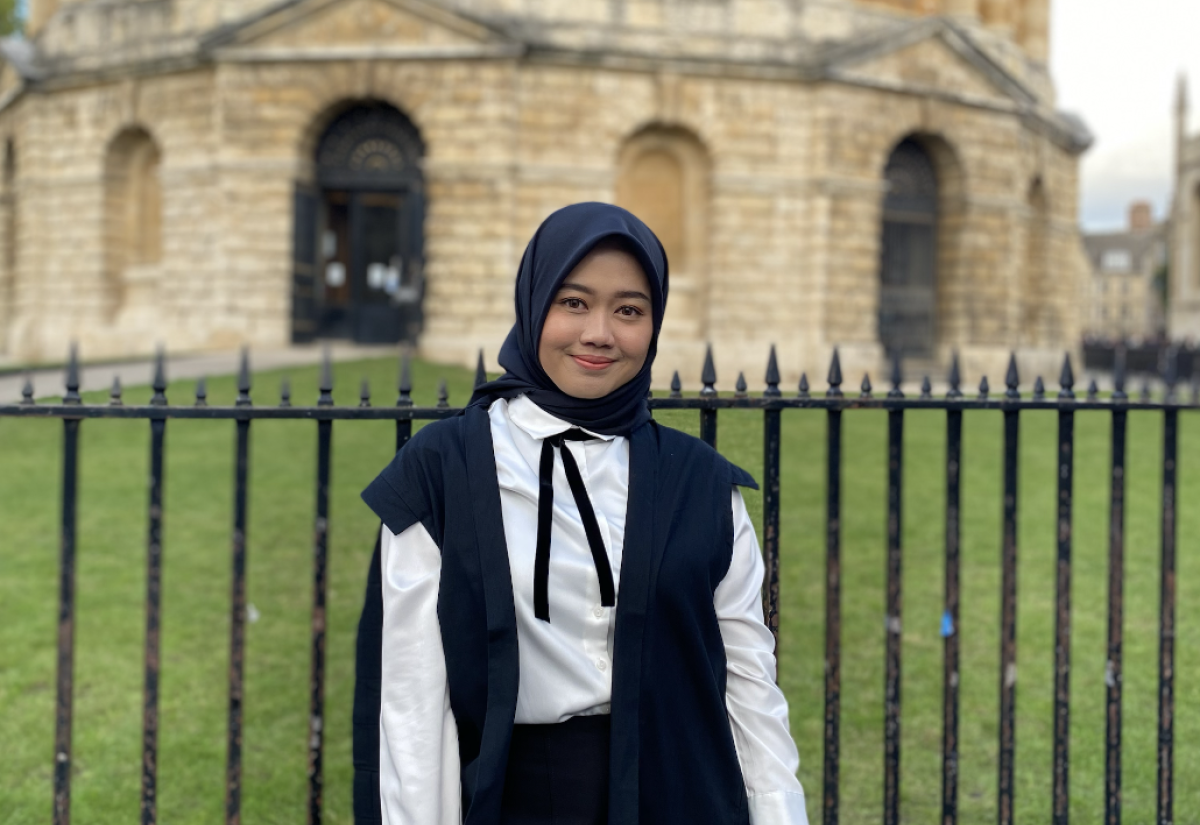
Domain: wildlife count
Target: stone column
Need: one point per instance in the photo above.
(1035, 29)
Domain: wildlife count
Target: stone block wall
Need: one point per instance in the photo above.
(795, 186)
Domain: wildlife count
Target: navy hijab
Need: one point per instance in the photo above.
(560, 243)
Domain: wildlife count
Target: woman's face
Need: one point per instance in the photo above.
(598, 331)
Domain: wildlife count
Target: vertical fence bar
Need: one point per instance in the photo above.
(1008, 607)
(316, 708)
(950, 618)
(708, 418)
(404, 387)
(64, 692)
(237, 617)
(895, 604)
(771, 450)
(1062, 602)
(1166, 638)
(1114, 674)
(158, 427)
(833, 596)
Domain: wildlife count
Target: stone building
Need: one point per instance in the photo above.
(871, 174)
(1183, 298)
(1124, 293)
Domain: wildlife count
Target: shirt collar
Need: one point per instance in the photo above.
(538, 423)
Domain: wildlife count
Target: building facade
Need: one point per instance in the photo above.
(877, 176)
(1128, 271)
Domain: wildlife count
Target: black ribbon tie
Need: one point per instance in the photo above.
(541, 561)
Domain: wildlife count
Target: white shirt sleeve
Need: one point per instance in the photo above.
(418, 738)
(758, 712)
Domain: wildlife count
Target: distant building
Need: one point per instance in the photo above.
(873, 174)
(1124, 296)
(1183, 299)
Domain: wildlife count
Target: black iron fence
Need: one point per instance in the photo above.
(772, 402)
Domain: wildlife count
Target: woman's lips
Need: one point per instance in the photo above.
(592, 362)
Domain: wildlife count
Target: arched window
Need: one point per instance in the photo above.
(909, 252)
(133, 202)
(663, 179)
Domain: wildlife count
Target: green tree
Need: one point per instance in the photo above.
(12, 17)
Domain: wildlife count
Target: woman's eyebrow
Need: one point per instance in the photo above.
(587, 290)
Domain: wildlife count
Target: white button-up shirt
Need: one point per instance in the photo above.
(566, 664)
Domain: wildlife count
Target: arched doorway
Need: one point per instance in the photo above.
(359, 245)
(908, 253)
(662, 178)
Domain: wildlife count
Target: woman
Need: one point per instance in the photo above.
(563, 624)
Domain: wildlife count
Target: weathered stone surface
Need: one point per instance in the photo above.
(523, 106)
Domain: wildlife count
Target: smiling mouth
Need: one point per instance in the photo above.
(593, 362)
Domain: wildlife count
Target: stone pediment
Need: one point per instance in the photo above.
(332, 29)
(931, 57)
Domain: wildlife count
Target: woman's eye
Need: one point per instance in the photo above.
(629, 311)
(572, 303)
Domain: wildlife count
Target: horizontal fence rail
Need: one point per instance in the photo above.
(772, 402)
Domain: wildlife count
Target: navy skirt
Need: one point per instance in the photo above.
(558, 774)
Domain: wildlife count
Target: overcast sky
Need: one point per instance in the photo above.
(1115, 64)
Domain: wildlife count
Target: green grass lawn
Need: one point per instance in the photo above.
(199, 497)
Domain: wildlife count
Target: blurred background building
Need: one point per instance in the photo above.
(887, 175)
(1128, 278)
(1184, 296)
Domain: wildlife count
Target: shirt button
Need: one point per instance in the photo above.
(598, 611)
(601, 665)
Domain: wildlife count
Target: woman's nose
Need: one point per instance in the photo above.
(597, 330)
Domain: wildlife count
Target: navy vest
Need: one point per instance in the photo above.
(673, 758)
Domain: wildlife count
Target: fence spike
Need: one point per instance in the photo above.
(201, 392)
(1145, 394)
(955, 378)
(364, 394)
(897, 376)
(285, 392)
(676, 386)
(243, 381)
(27, 390)
(114, 394)
(1039, 389)
(926, 387)
(708, 375)
(984, 389)
(772, 377)
(443, 394)
(866, 385)
(325, 399)
(740, 387)
(1093, 390)
(1012, 380)
(1119, 374)
(1067, 379)
(159, 384)
(803, 389)
(480, 371)
(404, 383)
(72, 394)
(835, 376)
